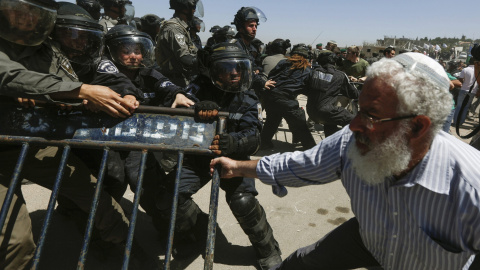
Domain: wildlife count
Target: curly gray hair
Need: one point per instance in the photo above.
(421, 84)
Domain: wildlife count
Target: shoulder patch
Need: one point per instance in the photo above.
(165, 84)
(180, 39)
(67, 67)
(107, 66)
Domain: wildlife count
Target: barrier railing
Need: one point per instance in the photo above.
(149, 129)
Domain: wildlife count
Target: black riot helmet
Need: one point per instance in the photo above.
(300, 49)
(92, 7)
(278, 46)
(79, 35)
(151, 24)
(246, 14)
(214, 29)
(188, 4)
(229, 67)
(326, 57)
(113, 3)
(27, 22)
(129, 47)
(197, 24)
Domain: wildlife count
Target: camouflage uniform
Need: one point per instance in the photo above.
(174, 42)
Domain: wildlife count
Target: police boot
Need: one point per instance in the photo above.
(190, 230)
(253, 220)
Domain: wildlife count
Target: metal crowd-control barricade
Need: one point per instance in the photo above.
(148, 129)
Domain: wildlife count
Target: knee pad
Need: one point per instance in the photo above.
(242, 204)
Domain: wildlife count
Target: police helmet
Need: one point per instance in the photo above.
(279, 46)
(151, 24)
(214, 29)
(79, 35)
(113, 3)
(188, 4)
(259, 45)
(327, 57)
(230, 68)
(129, 47)
(246, 14)
(27, 22)
(197, 23)
(91, 6)
(300, 49)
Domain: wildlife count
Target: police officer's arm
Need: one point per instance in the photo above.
(17, 81)
(247, 134)
(172, 95)
(99, 98)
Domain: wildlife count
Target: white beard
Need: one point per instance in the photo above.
(385, 159)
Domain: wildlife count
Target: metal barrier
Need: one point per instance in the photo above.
(148, 129)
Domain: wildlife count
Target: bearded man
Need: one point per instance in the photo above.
(414, 189)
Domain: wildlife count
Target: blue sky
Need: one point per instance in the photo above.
(347, 22)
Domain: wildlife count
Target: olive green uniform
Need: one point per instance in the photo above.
(174, 42)
(356, 70)
(42, 70)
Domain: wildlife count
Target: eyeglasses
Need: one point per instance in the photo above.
(368, 121)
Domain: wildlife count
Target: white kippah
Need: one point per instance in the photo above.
(426, 65)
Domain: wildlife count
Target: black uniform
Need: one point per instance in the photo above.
(244, 125)
(281, 103)
(325, 85)
(151, 88)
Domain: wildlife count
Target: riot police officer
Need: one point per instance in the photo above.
(211, 40)
(325, 85)
(246, 21)
(49, 77)
(115, 13)
(225, 89)
(176, 54)
(151, 25)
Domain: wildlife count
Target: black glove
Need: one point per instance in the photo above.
(206, 110)
(224, 144)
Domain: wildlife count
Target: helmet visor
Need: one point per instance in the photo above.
(129, 12)
(232, 75)
(80, 45)
(201, 27)
(258, 13)
(132, 52)
(25, 23)
(199, 10)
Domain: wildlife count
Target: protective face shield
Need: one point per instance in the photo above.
(25, 22)
(129, 11)
(254, 13)
(197, 24)
(132, 51)
(201, 27)
(199, 10)
(80, 45)
(231, 75)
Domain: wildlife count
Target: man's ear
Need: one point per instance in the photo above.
(421, 127)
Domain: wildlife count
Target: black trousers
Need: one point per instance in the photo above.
(278, 108)
(342, 248)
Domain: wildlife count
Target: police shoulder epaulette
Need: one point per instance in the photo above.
(107, 66)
